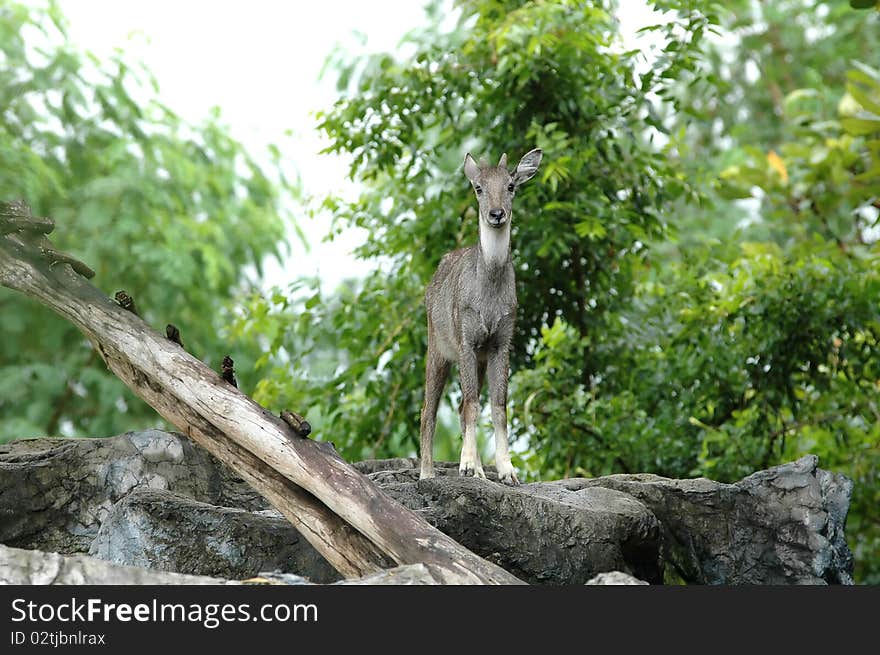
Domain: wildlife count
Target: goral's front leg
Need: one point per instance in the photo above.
(497, 373)
(470, 465)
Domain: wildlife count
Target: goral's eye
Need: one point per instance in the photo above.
(478, 189)
(510, 187)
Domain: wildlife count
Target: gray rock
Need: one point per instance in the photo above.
(34, 567)
(162, 503)
(54, 493)
(542, 534)
(779, 526)
(410, 574)
(165, 531)
(615, 578)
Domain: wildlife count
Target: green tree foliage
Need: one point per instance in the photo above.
(645, 343)
(771, 49)
(778, 69)
(172, 213)
(760, 347)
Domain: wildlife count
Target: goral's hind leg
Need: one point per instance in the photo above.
(436, 373)
(469, 411)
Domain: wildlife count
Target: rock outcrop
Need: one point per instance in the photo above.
(541, 534)
(166, 531)
(615, 578)
(779, 526)
(55, 493)
(152, 500)
(35, 567)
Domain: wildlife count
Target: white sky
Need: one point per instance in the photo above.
(259, 61)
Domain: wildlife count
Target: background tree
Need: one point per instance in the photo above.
(179, 216)
(753, 338)
(778, 69)
(645, 343)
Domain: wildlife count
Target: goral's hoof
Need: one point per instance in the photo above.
(509, 479)
(471, 471)
(506, 473)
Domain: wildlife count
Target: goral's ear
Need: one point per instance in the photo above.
(528, 166)
(470, 168)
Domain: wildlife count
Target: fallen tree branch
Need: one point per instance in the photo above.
(320, 493)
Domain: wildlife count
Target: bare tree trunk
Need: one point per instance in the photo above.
(313, 487)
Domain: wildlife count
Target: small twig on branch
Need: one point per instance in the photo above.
(56, 256)
(386, 424)
(589, 430)
(297, 423)
(126, 302)
(227, 372)
(392, 338)
(16, 216)
(173, 334)
(793, 426)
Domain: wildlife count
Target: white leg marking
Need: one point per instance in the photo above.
(426, 472)
(506, 472)
(470, 458)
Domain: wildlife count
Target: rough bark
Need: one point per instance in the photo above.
(162, 530)
(326, 495)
